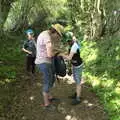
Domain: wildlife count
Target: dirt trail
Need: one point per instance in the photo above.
(26, 105)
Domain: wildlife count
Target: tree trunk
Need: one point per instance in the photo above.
(4, 10)
(5, 6)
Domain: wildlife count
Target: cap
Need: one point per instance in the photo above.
(69, 36)
(29, 31)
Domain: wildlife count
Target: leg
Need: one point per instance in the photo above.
(77, 74)
(33, 68)
(44, 68)
(78, 90)
(28, 63)
(52, 76)
(46, 98)
(33, 65)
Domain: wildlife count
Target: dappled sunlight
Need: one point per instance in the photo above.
(100, 81)
(86, 102)
(90, 51)
(92, 56)
(74, 114)
(94, 80)
(118, 57)
(114, 105)
(107, 83)
(118, 84)
(61, 108)
(117, 89)
(7, 80)
(69, 117)
(68, 79)
(116, 101)
(32, 98)
(38, 84)
(90, 104)
(28, 103)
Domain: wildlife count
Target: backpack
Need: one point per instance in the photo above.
(59, 66)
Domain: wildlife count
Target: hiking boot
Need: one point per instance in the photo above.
(75, 102)
(73, 96)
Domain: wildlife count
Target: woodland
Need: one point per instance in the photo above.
(96, 25)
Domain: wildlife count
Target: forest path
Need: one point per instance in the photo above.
(26, 105)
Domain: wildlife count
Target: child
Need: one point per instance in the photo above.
(77, 65)
(29, 47)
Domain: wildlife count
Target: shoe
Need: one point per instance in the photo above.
(72, 96)
(50, 107)
(53, 99)
(75, 102)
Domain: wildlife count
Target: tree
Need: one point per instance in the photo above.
(95, 18)
(5, 6)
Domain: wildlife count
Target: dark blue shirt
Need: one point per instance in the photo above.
(30, 45)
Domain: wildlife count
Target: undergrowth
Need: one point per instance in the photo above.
(102, 71)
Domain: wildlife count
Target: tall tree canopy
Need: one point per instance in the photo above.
(93, 18)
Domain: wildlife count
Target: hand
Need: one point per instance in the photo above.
(60, 54)
(29, 52)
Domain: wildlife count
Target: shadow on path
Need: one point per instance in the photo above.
(26, 105)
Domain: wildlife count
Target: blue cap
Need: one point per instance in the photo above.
(29, 31)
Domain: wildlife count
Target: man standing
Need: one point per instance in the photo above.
(45, 52)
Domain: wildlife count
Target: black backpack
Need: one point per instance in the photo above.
(59, 66)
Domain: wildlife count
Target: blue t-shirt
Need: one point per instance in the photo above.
(75, 47)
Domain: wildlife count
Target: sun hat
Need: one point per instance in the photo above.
(59, 28)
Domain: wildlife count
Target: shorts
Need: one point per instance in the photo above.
(77, 73)
(48, 75)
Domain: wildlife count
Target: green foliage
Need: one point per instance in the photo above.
(39, 13)
(94, 18)
(102, 63)
(10, 57)
(101, 58)
(11, 62)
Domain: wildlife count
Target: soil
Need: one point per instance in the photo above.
(26, 105)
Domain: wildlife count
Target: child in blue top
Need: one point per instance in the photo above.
(29, 47)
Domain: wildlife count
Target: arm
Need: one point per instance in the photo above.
(68, 57)
(49, 49)
(24, 48)
(29, 52)
(72, 52)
